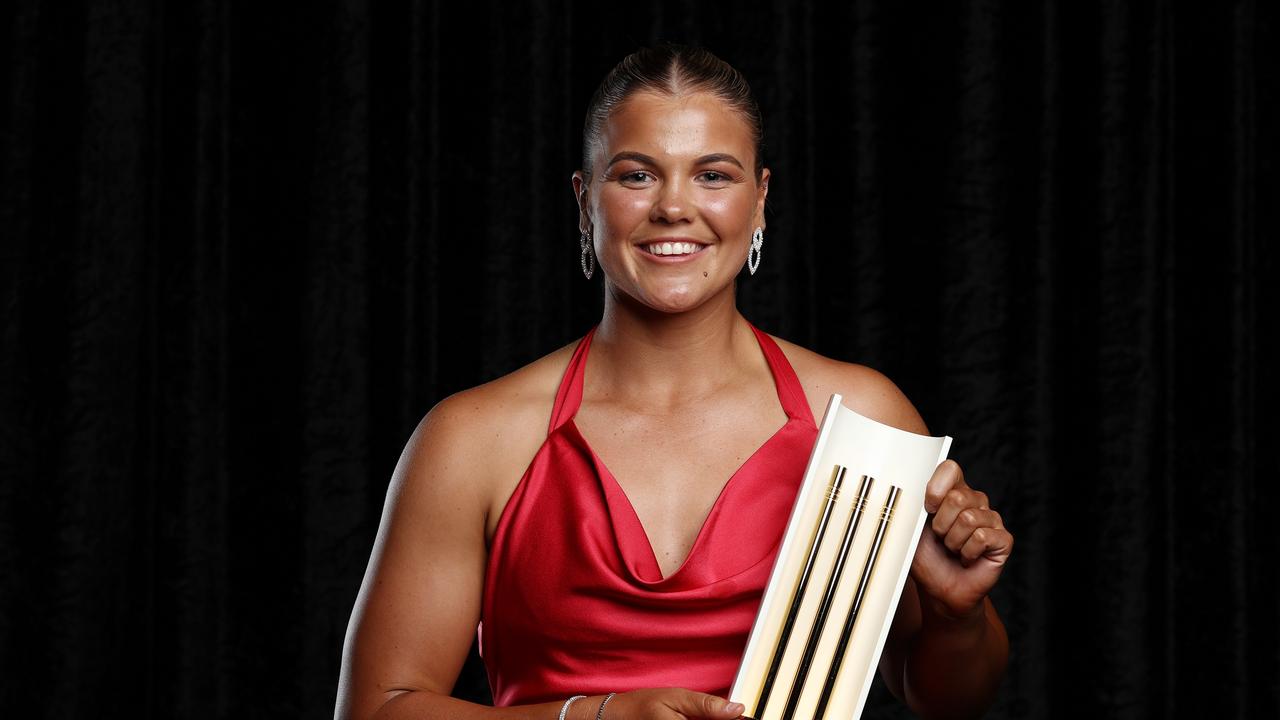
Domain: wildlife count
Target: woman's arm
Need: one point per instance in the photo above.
(655, 704)
(947, 648)
(419, 604)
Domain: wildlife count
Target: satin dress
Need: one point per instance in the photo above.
(574, 600)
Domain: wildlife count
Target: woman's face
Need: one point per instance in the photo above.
(672, 200)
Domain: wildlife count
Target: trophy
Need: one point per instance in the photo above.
(840, 570)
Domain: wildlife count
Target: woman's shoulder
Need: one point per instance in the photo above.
(473, 446)
(864, 390)
(521, 396)
(507, 412)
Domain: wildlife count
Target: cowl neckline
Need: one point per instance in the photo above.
(634, 545)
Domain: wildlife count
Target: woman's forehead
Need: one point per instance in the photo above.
(674, 126)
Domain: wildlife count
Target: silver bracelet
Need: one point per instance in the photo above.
(565, 708)
(607, 698)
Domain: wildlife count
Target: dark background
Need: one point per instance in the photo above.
(245, 249)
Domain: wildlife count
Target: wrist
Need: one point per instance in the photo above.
(586, 708)
(939, 615)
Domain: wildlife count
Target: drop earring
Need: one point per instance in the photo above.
(753, 255)
(588, 254)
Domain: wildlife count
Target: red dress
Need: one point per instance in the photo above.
(574, 600)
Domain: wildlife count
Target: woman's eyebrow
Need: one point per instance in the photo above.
(628, 155)
(720, 157)
(704, 160)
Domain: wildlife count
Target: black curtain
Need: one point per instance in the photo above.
(246, 247)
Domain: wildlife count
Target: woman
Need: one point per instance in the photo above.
(621, 554)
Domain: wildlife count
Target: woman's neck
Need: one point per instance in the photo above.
(667, 359)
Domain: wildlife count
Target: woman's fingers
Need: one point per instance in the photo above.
(966, 522)
(701, 705)
(945, 477)
(963, 518)
(957, 500)
(965, 531)
(671, 704)
(995, 544)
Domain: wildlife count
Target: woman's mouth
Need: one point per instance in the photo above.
(673, 248)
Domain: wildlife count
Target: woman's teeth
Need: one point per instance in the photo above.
(678, 248)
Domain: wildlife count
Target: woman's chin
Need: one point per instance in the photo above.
(669, 295)
(674, 300)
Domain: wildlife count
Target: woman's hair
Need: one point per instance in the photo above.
(671, 70)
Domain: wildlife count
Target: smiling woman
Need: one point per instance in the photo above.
(666, 198)
(614, 562)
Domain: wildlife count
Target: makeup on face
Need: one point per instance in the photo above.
(671, 200)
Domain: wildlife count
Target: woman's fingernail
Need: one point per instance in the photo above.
(735, 708)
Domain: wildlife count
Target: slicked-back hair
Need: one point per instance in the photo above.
(675, 70)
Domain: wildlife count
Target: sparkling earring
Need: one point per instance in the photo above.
(753, 255)
(588, 255)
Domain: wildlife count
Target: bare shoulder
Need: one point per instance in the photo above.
(479, 441)
(501, 410)
(865, 391)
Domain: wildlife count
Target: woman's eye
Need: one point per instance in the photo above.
(714, 177)
(636, 176)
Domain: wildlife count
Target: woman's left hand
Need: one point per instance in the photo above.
(964, 545)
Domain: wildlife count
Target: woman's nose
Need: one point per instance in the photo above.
(672, 203)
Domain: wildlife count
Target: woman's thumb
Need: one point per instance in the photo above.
(703, 705)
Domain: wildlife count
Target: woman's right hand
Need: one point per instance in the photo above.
(660, 704)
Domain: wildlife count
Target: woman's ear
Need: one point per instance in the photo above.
(762, 192)
(580, 185)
